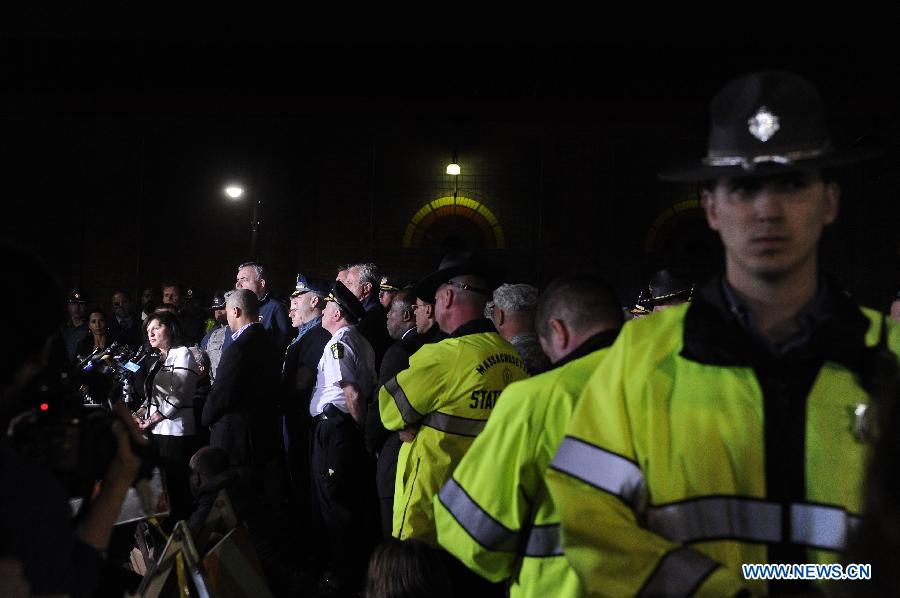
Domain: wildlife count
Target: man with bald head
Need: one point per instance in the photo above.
(240, 409)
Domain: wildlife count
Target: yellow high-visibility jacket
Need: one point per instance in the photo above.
(495, 513)
(449, 391)
(663, 481)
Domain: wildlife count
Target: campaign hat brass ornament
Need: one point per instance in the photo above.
(764, 124)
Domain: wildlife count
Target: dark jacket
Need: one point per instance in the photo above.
(131, 333)
(373, 326)
(240, 408)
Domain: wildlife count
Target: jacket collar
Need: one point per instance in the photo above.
(477, 326)
(717, 332)
(593, 343)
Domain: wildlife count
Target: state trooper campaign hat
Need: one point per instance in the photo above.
(311, 285)
(76, 296)
(763, 124)
(346, 300)
(218, 300)
(457, 264)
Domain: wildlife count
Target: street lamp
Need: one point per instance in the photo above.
(236, 192)
(454, 170)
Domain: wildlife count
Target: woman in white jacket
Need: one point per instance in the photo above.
(169, 414)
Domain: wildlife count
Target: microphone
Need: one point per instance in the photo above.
(84, 362)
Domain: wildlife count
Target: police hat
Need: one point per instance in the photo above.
(389, 284)
(311, 285)
(457, 264)
(76, 296)
(643, 305)
(218, 300)
(665, 286)
(346, 300)
(764, 124)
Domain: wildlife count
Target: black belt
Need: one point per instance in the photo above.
(330, 412)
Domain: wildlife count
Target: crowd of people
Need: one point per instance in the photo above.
(464, 434)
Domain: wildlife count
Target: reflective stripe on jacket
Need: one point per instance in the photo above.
(495, 514)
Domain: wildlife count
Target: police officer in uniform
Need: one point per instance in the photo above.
(75, 329)
(724, 431)
(339, 464)
(443, 400)
(214, 341)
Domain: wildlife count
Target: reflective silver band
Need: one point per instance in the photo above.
(483, 528)
(821, 526)
(750, 162)
(600, 468)
(717, 517)
(452, 424)
(544, 541)
(405, 408)
(750, 520)
(679, 573)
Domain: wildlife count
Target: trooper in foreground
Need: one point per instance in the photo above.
(712, 433)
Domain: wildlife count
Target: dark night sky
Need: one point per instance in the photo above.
(115, 145)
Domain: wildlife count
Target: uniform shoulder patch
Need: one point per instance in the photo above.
(337, 350)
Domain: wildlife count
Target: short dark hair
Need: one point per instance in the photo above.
(170, 321)
(409, 568)
(97, 310)
(580, 301)
(405, 297)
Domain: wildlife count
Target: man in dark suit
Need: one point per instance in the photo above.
(240, 410)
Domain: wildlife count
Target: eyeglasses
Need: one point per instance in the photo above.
(466, 287)
(118, 303)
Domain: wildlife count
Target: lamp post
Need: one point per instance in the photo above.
(236, 192)
(454, 170)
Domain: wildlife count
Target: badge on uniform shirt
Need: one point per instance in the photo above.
(337, 350)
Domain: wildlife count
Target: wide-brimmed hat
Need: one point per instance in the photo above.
(457, 264)
(764, 124)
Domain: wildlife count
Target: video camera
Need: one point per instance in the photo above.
(68, 428)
